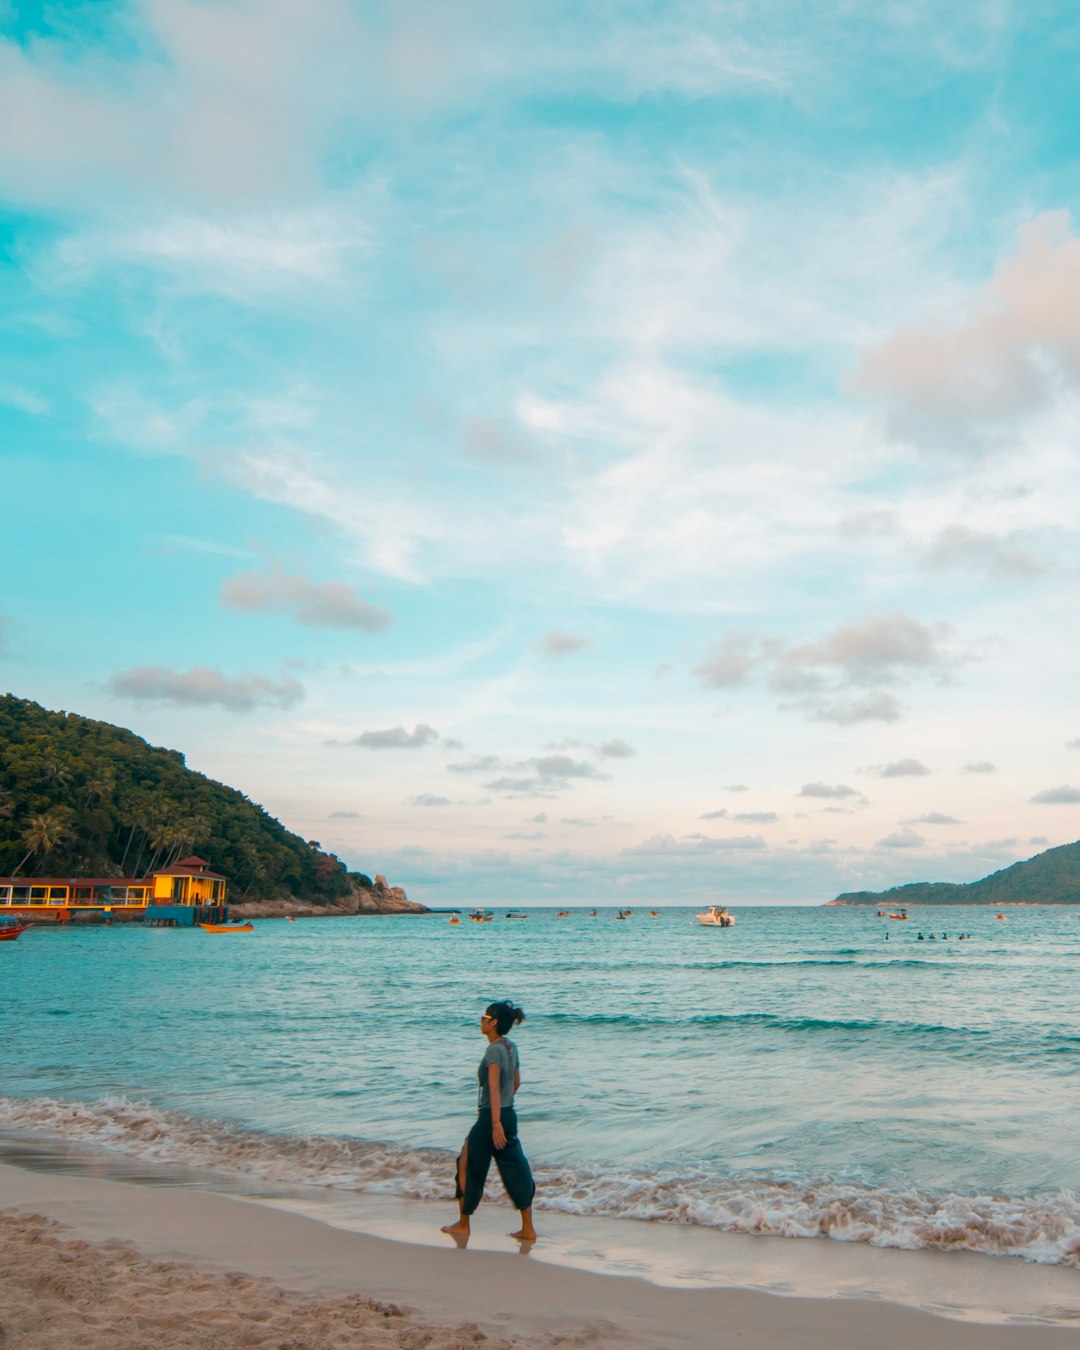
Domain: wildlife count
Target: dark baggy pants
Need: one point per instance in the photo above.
(474, 1161)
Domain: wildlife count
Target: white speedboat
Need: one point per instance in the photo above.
(716, 916)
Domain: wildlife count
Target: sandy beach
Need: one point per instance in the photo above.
(101, 1263)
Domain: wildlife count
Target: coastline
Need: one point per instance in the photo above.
(588, 1282)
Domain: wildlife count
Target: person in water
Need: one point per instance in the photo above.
(495, 1133)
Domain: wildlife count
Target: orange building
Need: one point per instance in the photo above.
(178, 896)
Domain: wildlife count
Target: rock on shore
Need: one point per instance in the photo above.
(379, 898)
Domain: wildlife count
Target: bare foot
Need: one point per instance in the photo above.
(455, 1229)
(524, 1235)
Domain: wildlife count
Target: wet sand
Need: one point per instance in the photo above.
(137, 1265)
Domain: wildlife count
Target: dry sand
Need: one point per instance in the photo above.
(144, 1266)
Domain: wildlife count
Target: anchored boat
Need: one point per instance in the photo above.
(11, 928)
(716, 916)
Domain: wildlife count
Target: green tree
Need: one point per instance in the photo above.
(44, 833)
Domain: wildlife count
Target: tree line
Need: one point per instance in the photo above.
(83, 797)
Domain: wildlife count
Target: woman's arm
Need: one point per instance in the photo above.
(498, 1134)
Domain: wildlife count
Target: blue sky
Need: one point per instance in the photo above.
(551, 452)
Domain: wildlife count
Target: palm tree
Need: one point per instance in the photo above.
(162, 837)
(7, 804)
(43, 833)
(55, 771)
(101, 786)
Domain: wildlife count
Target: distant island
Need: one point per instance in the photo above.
(1050, 878)
(79, 797)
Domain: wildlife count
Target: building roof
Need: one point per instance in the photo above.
(181, 869)
(118, 882)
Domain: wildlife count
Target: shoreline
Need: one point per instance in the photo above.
(613, 1283)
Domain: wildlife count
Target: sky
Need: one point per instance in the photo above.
(570, 451)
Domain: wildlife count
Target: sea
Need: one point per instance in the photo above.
(811, 1072)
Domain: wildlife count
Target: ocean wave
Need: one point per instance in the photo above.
(1044, 1230)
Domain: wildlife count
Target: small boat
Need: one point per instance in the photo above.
(716, 916)
(1001, 916)
(624, 913)
(455, 919)
(654, 913)
(11, 928)
(227, 927)
(562, 914)
(481, 915)
(517, 914)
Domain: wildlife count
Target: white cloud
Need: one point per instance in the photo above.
(905, 837)
(980, 766)
(201, 686)
(879, 648)
(959, 547)
(835, 791)
(395, 738)
(875, 707)
(900, 768)
(330, 604)
(564, 766)
(932, 818)
(828, 675)
(555, 644)
(970, 381)
(615, 748)
(1058, 796)
(478, 764)
(731, 662)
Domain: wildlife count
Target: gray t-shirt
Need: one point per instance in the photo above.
(504, 1053)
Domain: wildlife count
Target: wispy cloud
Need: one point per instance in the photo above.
(25, 400)
(328, 604)
(202, 686)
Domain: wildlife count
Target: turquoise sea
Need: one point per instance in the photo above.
(809, 1072)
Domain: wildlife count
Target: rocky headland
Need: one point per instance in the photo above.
(378, 898)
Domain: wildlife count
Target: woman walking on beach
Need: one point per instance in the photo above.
(495, 1133)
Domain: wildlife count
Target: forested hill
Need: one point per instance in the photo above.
(1050, 878)
(84, 797)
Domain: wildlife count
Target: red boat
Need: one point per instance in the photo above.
(10, 929)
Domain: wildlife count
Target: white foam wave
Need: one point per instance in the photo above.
(1044, 1230)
